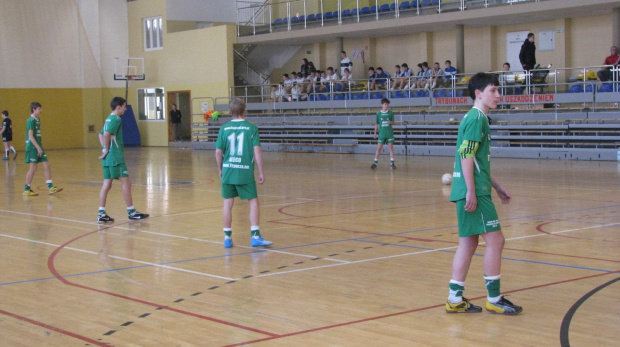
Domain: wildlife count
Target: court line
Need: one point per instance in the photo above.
(53, 328)
(337, 325)
(52, 268)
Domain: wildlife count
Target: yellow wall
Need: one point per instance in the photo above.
(200, 61)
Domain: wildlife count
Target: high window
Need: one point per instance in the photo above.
(153, 34)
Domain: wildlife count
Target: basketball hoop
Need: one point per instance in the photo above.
(131, 77)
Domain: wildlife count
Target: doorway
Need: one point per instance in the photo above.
(182, 100)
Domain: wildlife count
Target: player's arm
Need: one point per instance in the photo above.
(34, 142)
(467, 152)
(3, 128)
(218, 159)
(503, 194)
(376, 127)
(105, 142)
(258, 157)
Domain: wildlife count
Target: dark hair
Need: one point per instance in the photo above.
(480, 81)
(530, 35)
(116, 102)
(507, 63)
(448, 61)
(343, 52)
(5, 113)
(330, 69)
(425, 64)
(34, 105)
(385, 101)
(397, 66)
(285, 75)
(305, 60)
(420, 65)
(379, 68)
(371, 69)
(405, 65)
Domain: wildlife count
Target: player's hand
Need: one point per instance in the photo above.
(103, 154)
(261, 179)
(471, 202)
(39, 152)
(504, 195)
(374, 136)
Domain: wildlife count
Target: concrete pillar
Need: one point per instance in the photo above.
(615, 26)
(460, 48)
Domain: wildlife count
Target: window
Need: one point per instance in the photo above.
(151, 104)
(153, 34)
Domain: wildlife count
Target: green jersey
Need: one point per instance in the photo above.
(33, 123)
(473, 127)
(385, 130)
(237, 140)
(116, 153)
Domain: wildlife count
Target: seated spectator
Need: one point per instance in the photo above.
(435, 77)
(279, 95)
(306, 67)
(605, 74)
(330, 77)
(381, 81)
(449, 73)
(424, 76)
(346, 81)
(405, 76)
(296, 94)
(287, 82)
(372, 76)
(308, 82)
(396, 75)
(506, 78)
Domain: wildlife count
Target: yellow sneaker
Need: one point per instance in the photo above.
(503, 306)
(29, 192)
(55, 190)
(462, 307)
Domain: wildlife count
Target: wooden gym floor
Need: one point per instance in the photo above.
(360, 257)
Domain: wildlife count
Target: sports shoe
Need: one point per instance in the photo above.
(55, 190)
(104, 218)
(14, 155)
(373, 166)
(228, 243)
(260, 241)
(29, 192)
(5, 158)
(392, 165)
(462, 307)
(503, 306)
(135, 215)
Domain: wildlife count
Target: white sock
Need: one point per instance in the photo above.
(48, 181)
(129, 208)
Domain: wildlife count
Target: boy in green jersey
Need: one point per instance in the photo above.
(384, 122)
(476, 214)
(236, 149)
(113, 161)
(35, 153)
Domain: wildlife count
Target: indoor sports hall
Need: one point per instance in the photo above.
(360, 256)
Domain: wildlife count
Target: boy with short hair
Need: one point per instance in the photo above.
(236, 149)
(476, 214)
(384, 122)
(113, 162)
(7, 135)
(35, 153)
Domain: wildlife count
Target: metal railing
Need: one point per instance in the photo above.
(289, 15)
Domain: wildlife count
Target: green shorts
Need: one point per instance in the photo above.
(483, 220)
(385, 140)
(243, 191)
(32, 156)
(114, 172)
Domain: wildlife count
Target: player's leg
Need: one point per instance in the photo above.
(377, 154)
(391, 148)
(6, 150)
(132, 213)
(32, 169)
(496, 303)
(102, 216)
(249, 192)
(460, 266)
(47, 172)
(12, 149)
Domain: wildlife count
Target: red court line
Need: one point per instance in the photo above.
(52, 268)
(409, 311)
(53, 328)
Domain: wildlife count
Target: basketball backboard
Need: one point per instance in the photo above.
(129, 68)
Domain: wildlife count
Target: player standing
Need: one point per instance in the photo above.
(7, 135)
(475, 211)
(384, 122)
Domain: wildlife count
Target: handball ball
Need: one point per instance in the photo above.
(446, 179)
(216, 115)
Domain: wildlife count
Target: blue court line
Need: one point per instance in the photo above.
(362, 239)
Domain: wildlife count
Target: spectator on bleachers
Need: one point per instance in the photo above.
(345, 81)
(279, 94)
(605, 74)
(396, 75)
(296, 93)
(372, 76)
(330, 77)
(449, 73)
(287, 82)
(435, 76)
(308, 83)
(381, 81)
(345, 62)
(506, 78)
(527, 55)
(306, 67)
(403, 80)
(423, 75)
(299, 78)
